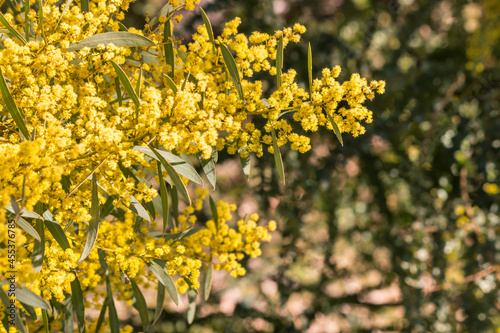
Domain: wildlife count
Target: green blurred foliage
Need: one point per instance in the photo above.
(398, 229)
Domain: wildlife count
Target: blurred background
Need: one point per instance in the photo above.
(396, 231)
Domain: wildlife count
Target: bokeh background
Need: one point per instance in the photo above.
(396, 231)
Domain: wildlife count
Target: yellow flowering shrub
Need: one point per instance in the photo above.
(97, 121)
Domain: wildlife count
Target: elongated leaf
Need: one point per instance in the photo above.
(121, 27)
(24, 213)
(277, 156)
(107, 207)
(164, 11)
(78, 305)
(208, 26)
(180, 235)
(192, 306)
(126, 83)
(279, 60)
(38, 247)
(309, 69)
(140, 305)
(66, 7)
(12, 107)
(165, 279)
(114, 324)
(164, 198)
(30, 310)
(85, 6)
(209, 167)
(23, 224)
(171, 83)
(118, 91)
(40, 20)
(160, 300)
(215, 215)
(45, 320)
(94, 222)
(174, 176)
(26, 20)
(12, 30)
(26, 296)
(335, 129)
(118, 38)
(232, 69)
(138, 84)
(208, 281)
(102, 315)
(180, 166)
(57, 232)
(245, 164)
(168, 47)
(67, 309)
(139, 209)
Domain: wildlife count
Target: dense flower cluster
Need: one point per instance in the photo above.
(84, 122)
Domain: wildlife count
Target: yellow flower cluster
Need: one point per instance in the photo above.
(85, 119)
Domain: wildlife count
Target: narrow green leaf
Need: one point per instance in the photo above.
(126, 83)
(164, 11)
(139, 209)
(277, 156)
(180, 166)
(138, 84)
(165, 279)
(12, 107)
(11, 29)
(23, 224)
(215, 215)
(85, 6)
(309, 68)
(26, 296)
(40, 20)
(30, 310)
(114, 324)
(168, 47)
(118, 91)
(185, 81)
(174, 176)
(58, 233)
(102, 315)
(232, 69)
(140, 305)
(67, 305)
(171, 83)
(192, 306)
(279, 60)
(160, 300)
(209, 167)
(45, 321)
(94, 222)
(175, 201)
(122, 27)
(38, 247)
(208, 26)
(26, 20)
(245, 164)
(164, 198)
(66, 7)
(78, 305)
(66, 183)
(180, 235)
(208, 281)
(335, 129)
(107, 207)
(118, 38)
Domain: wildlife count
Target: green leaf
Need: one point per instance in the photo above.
(208, 26)
(12, 107)
(164, 198)
(107, 207)
(233, 70)
(140, 305)
(277, 156)
(85, 6)
(26, 20)
(58, 233)
(165, 279)
(245, 164)
(139, 209)
(209, 167)
(40, 20)
(30, 310)
(118, 91)
(180, 235)
(168, 47)
(121, 27)
(102, 315)
(180, 166)
(335, 129)
(279, 60)
(66, 7)
(26, 296)
(118, 38)
(138, 84)
(174, 176)
(78, 305)
(208, 281)
(171, 83)
(114, 324)
(45, 320)
(160, 300)
(68, 315)
(215, 215)
(164, 11)
(38, 248)
(94, 222)
(309, 69)
(11, 29)
(126, 83)
(192, 306)
(23, 224)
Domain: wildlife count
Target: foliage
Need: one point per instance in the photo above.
(98, 118)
